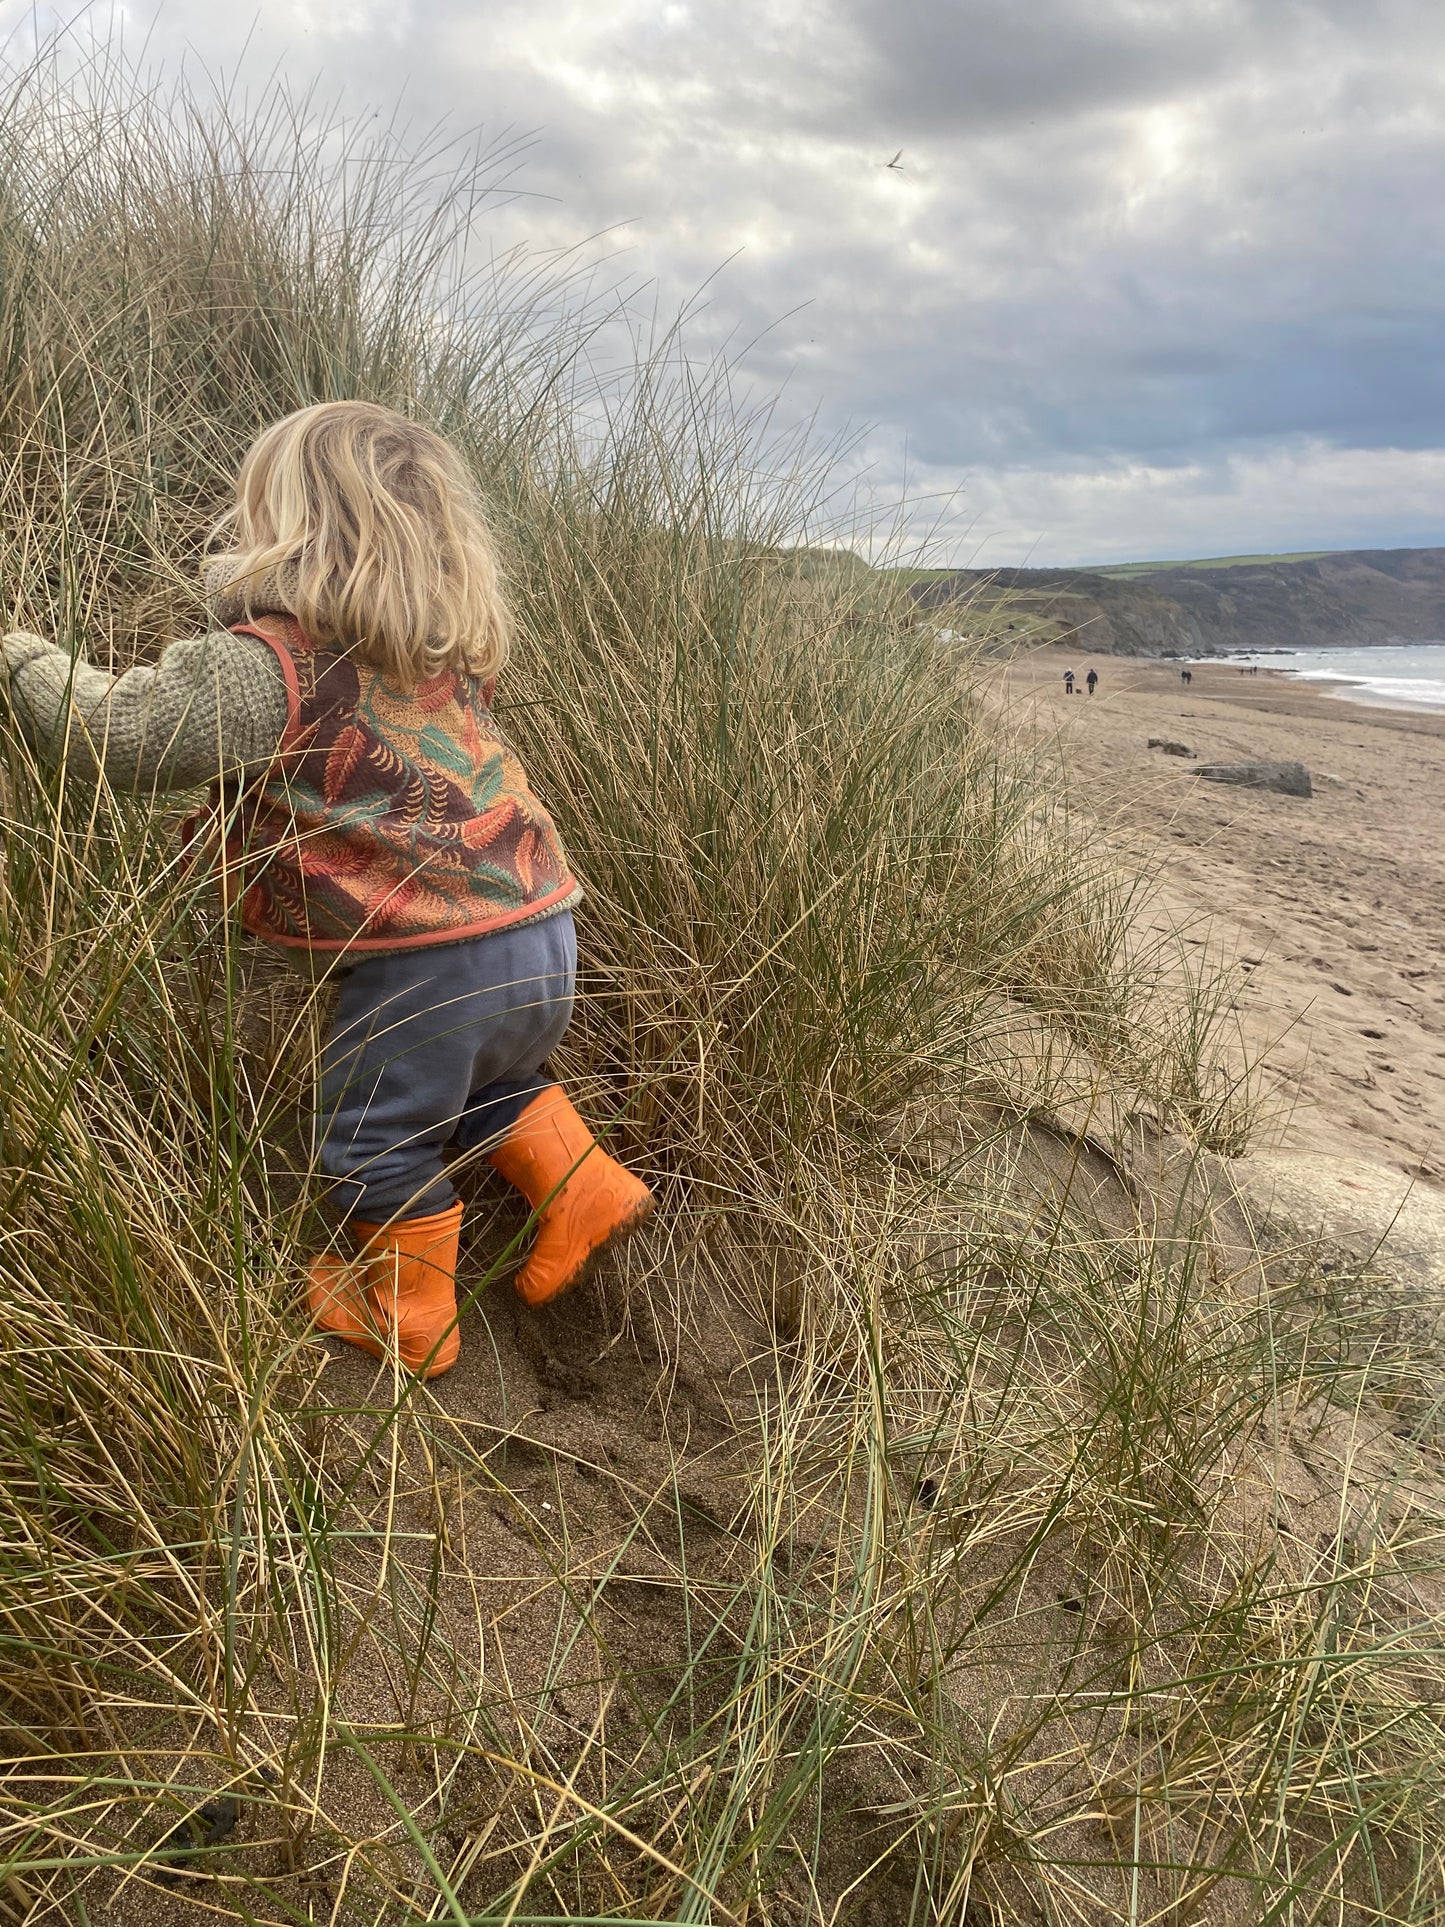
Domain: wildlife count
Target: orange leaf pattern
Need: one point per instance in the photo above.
(387, 820)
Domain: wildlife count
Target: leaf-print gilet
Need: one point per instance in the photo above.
(388, 820)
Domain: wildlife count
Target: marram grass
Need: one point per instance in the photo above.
(925, 1527)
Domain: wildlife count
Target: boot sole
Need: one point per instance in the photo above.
(619, 1234)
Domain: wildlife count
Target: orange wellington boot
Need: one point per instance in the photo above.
(586, 1202)
(403, 1281)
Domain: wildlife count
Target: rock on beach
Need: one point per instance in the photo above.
(1290, 779)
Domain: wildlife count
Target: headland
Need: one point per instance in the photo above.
(1337, 599)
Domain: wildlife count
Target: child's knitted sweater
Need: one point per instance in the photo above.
(216, 705)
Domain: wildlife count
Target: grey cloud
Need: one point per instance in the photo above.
(946, 65)
(1187, 236)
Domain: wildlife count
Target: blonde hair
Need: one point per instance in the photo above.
(376, 530)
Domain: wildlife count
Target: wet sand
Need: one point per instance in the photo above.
(1330, 911)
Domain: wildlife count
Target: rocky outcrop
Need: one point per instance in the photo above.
(1356, 596)
(1290, 779)
(1379, 595)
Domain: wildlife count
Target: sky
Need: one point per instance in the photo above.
(1078, 280)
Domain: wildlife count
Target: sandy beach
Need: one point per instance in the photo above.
(1330, 910)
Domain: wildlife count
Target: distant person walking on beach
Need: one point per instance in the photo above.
(1186, 675)
(1068, 682)
(1092, 680)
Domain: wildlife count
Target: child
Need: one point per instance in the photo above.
(370, 817)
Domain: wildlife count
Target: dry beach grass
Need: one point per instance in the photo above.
(946, 1516)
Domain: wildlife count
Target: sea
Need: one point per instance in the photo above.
(1393, 675)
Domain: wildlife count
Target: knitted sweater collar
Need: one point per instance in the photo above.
(234, 597)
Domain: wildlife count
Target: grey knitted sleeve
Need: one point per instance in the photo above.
(215, 706)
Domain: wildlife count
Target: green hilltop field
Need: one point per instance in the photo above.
(1205, 562)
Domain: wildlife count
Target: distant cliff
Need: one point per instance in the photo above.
(1355, 596)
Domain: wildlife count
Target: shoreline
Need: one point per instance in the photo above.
(1342, 690)
(1326, 911)
(1346, 687)
(1369, 698)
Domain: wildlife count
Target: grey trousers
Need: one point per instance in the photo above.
(437, 1046)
